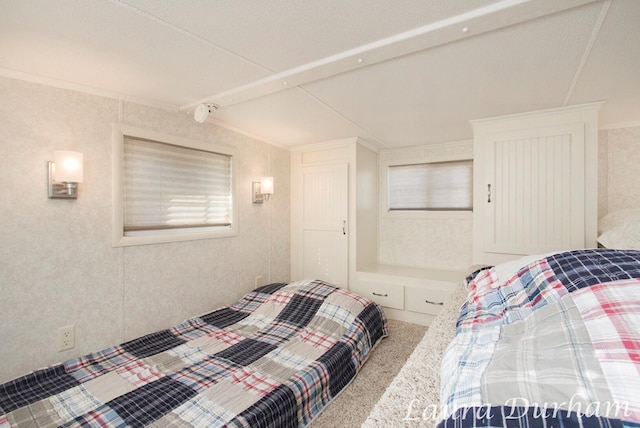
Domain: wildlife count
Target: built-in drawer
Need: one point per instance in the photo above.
(429, 299)
(383, 293)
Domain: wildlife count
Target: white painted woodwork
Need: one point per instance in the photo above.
(537, 191)
(334, 199)
(325, 249)
(428, 299)
(387, 294)
(407, 293)
(534, 183)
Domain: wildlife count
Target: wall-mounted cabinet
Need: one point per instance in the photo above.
(535, 183)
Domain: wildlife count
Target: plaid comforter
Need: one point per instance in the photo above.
(275, 358)
(555, 344)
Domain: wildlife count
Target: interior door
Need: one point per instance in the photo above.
(324, 214)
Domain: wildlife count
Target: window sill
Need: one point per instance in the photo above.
(125, 241)
(427, 215)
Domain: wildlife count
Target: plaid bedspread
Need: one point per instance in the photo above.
(275, 358)
(555, 344)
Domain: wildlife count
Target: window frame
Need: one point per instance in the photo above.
(119, 238)
(386, 213)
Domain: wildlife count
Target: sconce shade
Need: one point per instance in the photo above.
(68, 167)
(266, 185)
(262, 190)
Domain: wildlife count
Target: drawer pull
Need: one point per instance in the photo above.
(381, 295)
(434, 303)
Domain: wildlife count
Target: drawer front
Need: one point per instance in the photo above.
(426, 300)
(383, 293)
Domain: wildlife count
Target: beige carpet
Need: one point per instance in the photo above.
(352, 406)
(413, 398)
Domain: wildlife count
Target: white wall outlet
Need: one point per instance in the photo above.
(258, 281)
(66, 337)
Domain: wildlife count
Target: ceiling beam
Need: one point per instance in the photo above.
(587, 50)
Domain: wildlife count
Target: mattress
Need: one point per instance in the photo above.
(547, 341)
(275, 358)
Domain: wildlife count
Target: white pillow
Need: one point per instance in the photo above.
(620, 230)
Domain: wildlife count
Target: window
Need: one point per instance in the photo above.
(437, 186)
(171, 189)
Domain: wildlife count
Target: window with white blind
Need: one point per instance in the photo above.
(171, 189)
(436, 186)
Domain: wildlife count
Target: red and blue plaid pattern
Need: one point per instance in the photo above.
(139, 373)
(254, 381)
(220, 369)
(489, 303)
(316, 338)
(99, 363)
(568, 323)
(611, 313)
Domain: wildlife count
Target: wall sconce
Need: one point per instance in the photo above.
(262, 190)
(65, 172)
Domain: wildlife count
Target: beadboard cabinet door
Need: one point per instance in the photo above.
(535, 190)
(534, 183)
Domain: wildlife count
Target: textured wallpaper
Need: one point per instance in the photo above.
(58, 267)
(619, 161)
(439, 242)
(57, 264)
(447, 242)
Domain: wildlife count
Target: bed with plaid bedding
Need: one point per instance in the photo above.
(275, 358)
(557, 343)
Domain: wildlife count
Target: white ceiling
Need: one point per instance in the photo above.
(396, 73)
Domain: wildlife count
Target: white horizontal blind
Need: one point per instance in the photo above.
(172, 187)
(438, 186)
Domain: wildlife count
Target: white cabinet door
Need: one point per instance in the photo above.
(323, 239)
(535, 183)
(534, 190)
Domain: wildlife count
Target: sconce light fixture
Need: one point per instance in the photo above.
(65, 172)
(262, 190)
(202, 111)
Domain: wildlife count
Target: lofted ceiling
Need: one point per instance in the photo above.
(396, 73)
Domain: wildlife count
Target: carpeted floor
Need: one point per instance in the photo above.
(353, 405)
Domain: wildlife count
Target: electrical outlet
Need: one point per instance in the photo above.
(258, 281)
(66, 337)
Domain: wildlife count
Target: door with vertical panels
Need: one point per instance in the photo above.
(535, 191)
(324, 240)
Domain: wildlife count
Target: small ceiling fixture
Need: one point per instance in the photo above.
(202, 111)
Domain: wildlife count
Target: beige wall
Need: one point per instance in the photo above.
(57, 264)
(441, 241)
(446, 243)
(619, 169)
